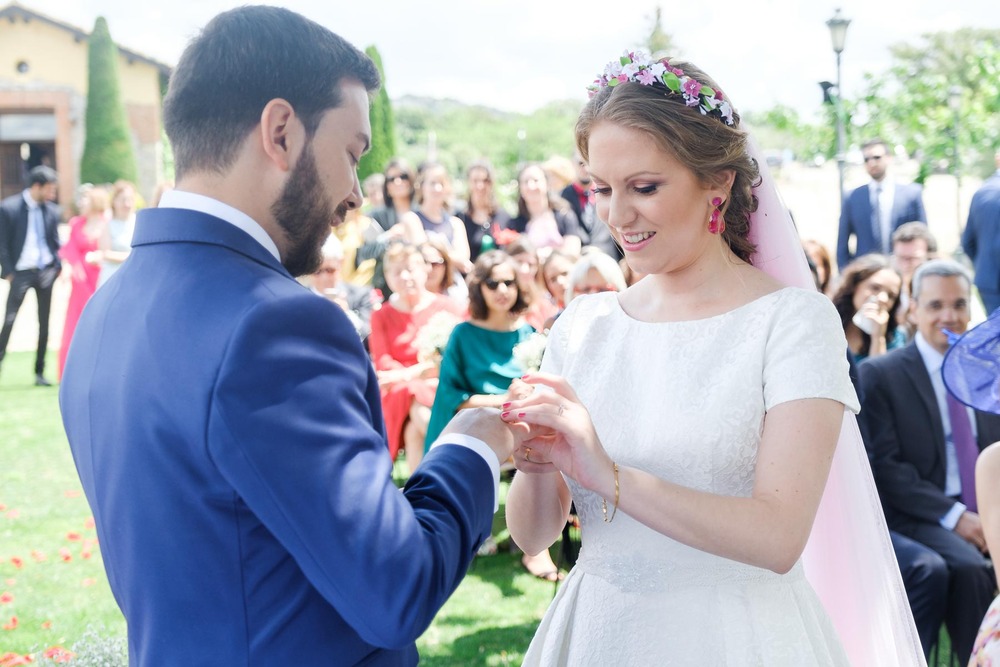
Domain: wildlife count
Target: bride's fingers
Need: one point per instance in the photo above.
(557, 383)
(530, 459)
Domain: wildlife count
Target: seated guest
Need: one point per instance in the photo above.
(818, 254)
(546, 219)
(593, 273)
(912, 245)
(923, 445)
(866, 298)
(407, 383)
(555, 276)
(442, 277)
(356, 301)
(432, 216)
(541, 305)
(479, 365)
(483, 214)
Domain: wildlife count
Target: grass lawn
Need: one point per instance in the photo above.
(52, 580)
(54, 593)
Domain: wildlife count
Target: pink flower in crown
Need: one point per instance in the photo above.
(612, 70)
(622, 78)
(631, 70)
(646, 77)
(691, 86)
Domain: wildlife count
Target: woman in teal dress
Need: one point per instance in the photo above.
(478, 364)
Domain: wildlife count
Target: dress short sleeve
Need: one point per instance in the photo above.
(806, 352)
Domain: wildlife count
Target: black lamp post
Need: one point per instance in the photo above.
(838, 35)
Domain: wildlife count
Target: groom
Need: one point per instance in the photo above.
(225, 421)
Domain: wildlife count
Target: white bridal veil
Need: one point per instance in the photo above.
(849, 559)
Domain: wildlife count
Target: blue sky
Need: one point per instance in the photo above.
(519, 54)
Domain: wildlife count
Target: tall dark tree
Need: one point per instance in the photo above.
(383, 126)
(107, 152)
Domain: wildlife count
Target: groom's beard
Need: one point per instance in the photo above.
(305, 214)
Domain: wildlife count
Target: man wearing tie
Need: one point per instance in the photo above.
(923, 446)
(29, 256)
(872, 212)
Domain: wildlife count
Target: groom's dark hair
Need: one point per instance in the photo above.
(243, 59)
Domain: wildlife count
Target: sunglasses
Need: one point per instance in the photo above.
(398, 177)
(493, 285)
(873, 158)
(326, 270)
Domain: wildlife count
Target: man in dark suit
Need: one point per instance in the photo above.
(872, 212)
(226, 422)
(923, 445)
(981, 238)
(29, 256)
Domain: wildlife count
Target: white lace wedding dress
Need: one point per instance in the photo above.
(686, 402)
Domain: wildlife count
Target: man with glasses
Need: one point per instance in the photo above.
(872, 212)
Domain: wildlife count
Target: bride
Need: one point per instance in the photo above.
(695, 417)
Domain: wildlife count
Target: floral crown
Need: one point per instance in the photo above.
(639, 68)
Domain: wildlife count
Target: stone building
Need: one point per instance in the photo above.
(43, 98)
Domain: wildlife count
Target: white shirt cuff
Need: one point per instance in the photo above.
(481, 448)
(950, 520)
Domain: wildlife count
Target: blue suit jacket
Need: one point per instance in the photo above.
(981, 238)
(856, 219)
(227, 428)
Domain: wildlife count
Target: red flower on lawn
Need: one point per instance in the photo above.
(10, 625)
(58, 654)
(89, 523)
(6, 597)
(38, 556)
(46, 625)
(11, 659)
(2, 507)
(65, 554)
(13, 514)
(74, 537)
(18, 563)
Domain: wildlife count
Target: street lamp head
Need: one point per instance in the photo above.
(838, 31)
(828, 91)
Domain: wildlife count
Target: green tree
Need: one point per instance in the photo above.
(910, 103)
(107, 151)
(383, 126)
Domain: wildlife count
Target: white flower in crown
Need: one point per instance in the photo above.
(639, 68)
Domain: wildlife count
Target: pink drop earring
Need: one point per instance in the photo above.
(716, 223)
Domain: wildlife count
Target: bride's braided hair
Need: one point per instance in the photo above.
(703, 143)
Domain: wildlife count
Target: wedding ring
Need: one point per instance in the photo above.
(561, 408)
(527, 454)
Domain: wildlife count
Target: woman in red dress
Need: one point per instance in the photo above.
(408, 383)
(83, 258)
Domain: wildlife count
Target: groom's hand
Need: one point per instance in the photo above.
(486, 425)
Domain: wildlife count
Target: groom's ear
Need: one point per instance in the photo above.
(282, 134)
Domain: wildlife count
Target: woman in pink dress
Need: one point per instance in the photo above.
(408, 383)
(83, 258)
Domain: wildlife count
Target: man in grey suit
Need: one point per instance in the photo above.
(872, 212)
(29, 256)
(981, 238)
(923, 445)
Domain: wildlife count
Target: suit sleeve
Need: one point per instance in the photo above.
(844, 234)
(6, 241)
(899, 483)
(918, 204)
(296, 429)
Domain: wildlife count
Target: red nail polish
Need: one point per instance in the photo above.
(504, 415)
(520, 415)
(505, 406)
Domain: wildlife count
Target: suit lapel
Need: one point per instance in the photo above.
(913, 368)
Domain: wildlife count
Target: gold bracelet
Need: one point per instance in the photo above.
(604, 503)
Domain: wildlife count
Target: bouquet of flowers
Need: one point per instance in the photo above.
(433, 336)
(528, 353)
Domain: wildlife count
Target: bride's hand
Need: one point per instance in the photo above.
(562, 435)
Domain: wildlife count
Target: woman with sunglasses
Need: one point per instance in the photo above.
(398, 193)
(478, 364)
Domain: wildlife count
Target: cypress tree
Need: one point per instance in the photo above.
(383, 126)
(107, 151)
